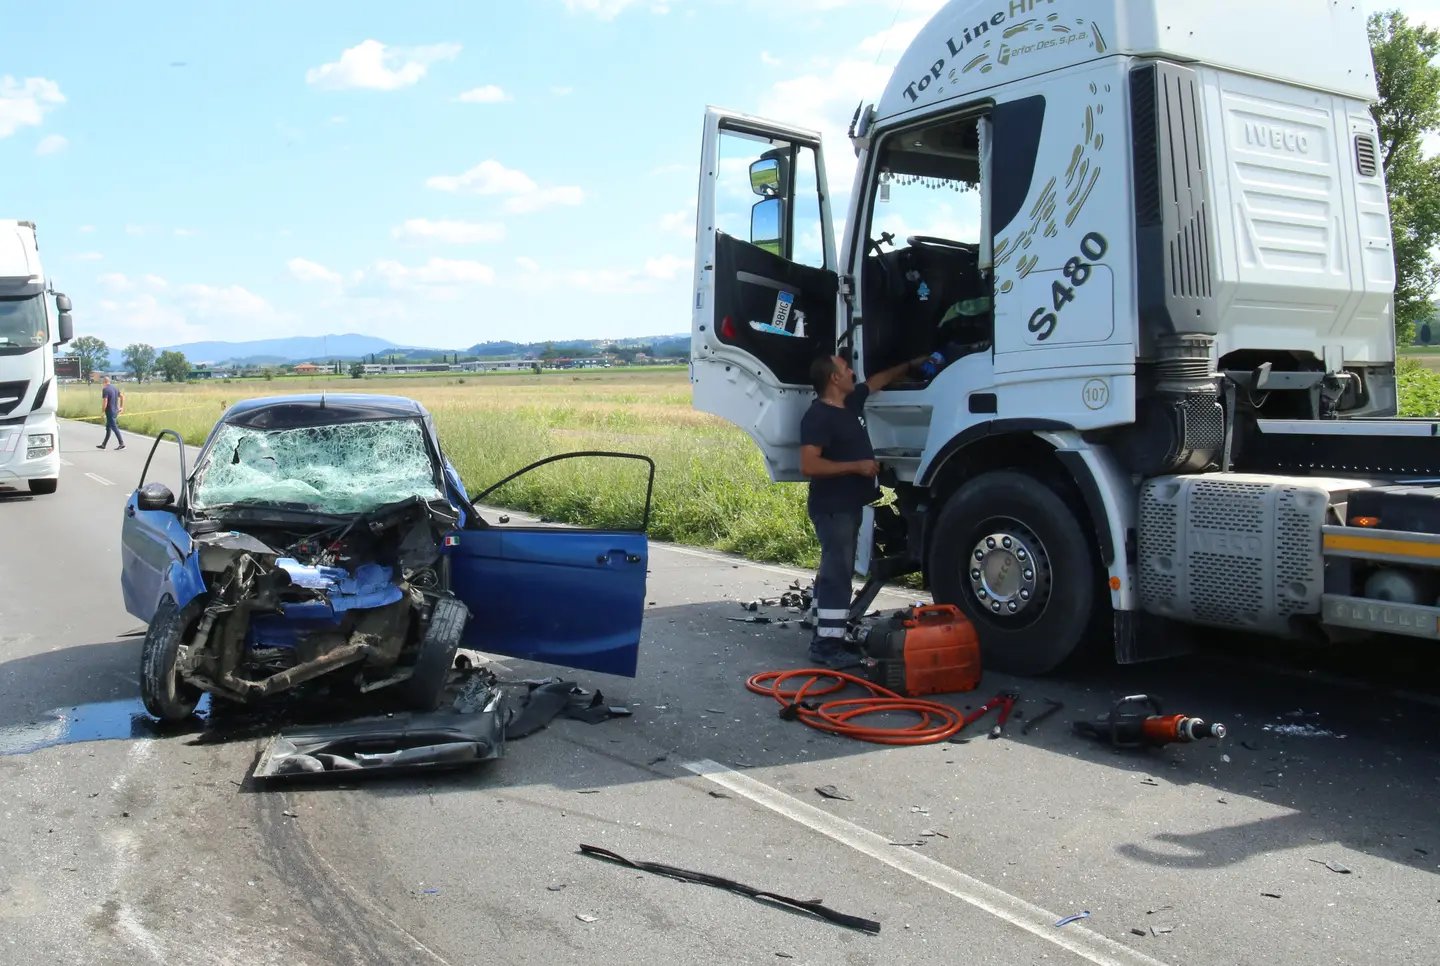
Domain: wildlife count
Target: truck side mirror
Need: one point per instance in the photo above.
(767, 226)
(67, 322)
(765, 179)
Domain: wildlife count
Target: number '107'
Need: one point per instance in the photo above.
(1078, 270)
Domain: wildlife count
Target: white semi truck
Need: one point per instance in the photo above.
(29, 335)
(1150, 242)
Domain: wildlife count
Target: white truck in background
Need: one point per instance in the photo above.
(29, 334)
(1151, 244)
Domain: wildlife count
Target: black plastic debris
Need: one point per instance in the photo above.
(830, 791)
(402, 742)
(813, 907)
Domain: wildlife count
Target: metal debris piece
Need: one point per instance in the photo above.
(588, 791)
(830, 791)
(1271, 895)
(920, 809)
(713, 711)
(812, 906)
(1152, 912)
(1149, 781)
(915, 844)
(1138, 932)
(718, 795)
(1161, 930)
(558, 887)
(1069, 919)
(1333, 866)
(584, 918)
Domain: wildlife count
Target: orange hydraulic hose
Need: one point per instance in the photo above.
(937, 721)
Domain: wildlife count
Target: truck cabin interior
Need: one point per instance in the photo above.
(922, 289)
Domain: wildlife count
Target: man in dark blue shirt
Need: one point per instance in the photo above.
(835, 453)
(112, 404)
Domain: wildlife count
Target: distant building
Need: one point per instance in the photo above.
(306, 369)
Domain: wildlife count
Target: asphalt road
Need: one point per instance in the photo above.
(137, 848)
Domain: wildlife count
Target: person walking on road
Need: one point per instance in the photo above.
(837, 457)
(112, 404)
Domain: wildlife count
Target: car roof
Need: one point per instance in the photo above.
(316, 409)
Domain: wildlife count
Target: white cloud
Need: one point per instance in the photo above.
(489, 94)
(450, 232)
(186, 232)
(155, 282)
(87, 257)
(667, 266)
(25, 103)
(604, 9)
(371, 65)
(680, 222)
(149, 309)
(230, 302)
(562, 91)
(116, 282)
(86, 228)
(768, 58)
(527, 264)
(493, 178)
(308, 271)
(338, 119)
(435, 276)
(51, 144)
(894, 40)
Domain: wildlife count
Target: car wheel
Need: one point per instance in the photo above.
(44, 486)
(1009, 552)
(436, 655)
(165, 695)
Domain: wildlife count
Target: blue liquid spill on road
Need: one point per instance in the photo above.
(101, 721)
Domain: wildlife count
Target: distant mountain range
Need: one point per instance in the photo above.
(351, 346)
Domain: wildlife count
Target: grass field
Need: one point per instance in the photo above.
(710, 484)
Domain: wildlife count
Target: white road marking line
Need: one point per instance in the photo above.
(1083, 942)
(65, 462)
(99, 479)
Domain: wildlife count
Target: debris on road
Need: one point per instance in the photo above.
(1075, 918)
(1138, 932)
(558, 887)
(584, 918)
(1150, 781)
(718, 795)
(1161, 930)
(811, 906)
(1300, 731)
(1271, 895)
(1151, 912)
(830, 791)
(1128, 725)
(1333, 866)
(931, 833)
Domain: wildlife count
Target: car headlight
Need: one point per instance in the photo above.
(42, 439)
(38, 445)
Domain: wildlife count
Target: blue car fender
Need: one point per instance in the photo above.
(183, 581)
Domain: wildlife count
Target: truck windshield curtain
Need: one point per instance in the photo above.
(337, 468)
(22, 323)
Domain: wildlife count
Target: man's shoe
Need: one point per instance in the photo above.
(101, 446)
(832, 657)
(120, 447)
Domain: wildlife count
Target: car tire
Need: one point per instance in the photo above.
(164, 694)
(1036, 593)
(44, 486)
(436, 655)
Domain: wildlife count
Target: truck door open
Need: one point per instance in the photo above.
(766, 290)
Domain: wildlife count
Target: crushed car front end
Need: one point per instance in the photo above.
(309, 547)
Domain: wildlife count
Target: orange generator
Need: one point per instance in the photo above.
(924, 650)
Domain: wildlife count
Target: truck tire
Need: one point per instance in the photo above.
(436, 655)
(1010, 553)
(165, 695)
(44, 486)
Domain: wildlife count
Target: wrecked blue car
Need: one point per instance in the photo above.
(327, 539)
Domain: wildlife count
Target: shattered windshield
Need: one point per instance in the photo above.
(337, 468)
(22, 323)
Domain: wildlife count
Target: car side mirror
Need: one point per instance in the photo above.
(155, 496)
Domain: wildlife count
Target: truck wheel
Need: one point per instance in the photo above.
(165, 695)
(1010, 553)
(44, 486)
(436, 655)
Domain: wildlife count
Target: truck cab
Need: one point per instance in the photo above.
(29, 334)
(1142, 243)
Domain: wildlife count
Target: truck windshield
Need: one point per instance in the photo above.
(22, 323)
(339, 468)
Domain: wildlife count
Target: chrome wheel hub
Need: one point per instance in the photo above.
(1006, 575)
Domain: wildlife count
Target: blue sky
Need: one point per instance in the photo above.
(436, 173)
